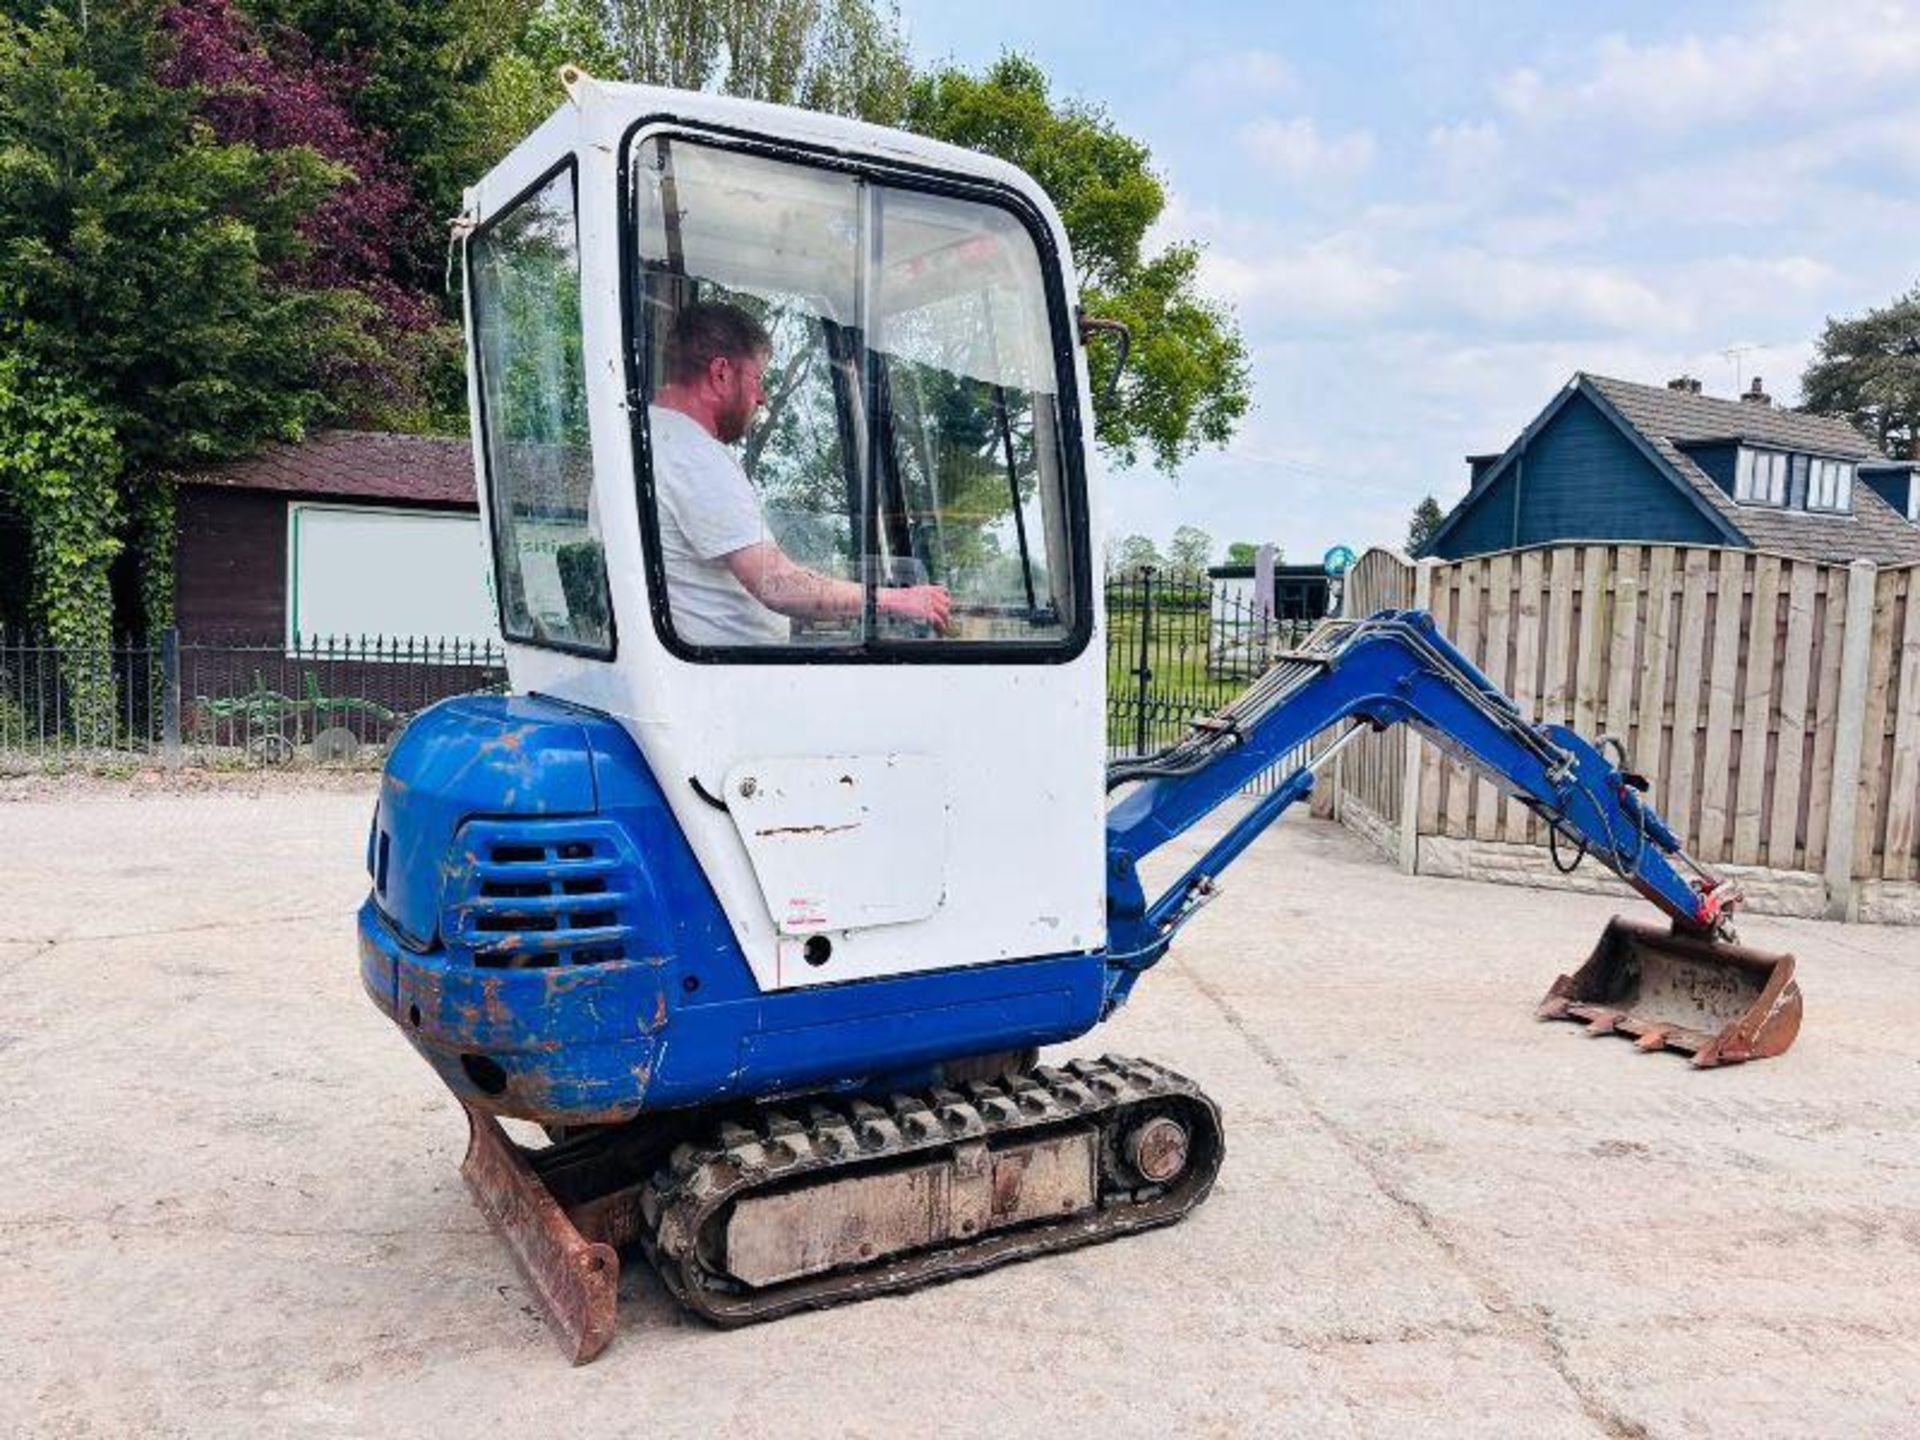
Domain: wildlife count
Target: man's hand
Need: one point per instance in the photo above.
(920, 604)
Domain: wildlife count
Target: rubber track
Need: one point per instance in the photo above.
(698, 1185)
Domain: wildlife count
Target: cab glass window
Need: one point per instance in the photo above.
(524, 274)
(767, 250)
(965, 400)
(902, 483)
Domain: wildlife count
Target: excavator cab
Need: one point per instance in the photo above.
(924, 425)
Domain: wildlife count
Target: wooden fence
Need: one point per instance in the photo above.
(1773, 703)
(1372, 768)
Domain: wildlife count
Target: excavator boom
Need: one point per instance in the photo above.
(1691, 988)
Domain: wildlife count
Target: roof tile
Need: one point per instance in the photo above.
(356, 465)
(1671, 418)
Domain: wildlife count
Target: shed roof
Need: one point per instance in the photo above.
(356, 465)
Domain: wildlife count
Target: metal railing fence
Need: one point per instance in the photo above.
(1181, 644)
(248, 702)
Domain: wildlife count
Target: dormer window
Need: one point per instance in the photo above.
(1830, 485)
(1760, 477)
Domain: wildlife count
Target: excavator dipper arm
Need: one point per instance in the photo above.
(1392, 668)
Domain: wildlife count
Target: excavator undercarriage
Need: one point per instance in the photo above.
(831, 1199)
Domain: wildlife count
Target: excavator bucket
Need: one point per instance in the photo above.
(1719, 1002)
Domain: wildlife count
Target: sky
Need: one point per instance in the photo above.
(1428, 216)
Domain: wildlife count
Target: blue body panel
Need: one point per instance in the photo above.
(543, 934)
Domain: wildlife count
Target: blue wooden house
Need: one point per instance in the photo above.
(1609, 460)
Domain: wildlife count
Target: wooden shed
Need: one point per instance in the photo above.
(350, 533)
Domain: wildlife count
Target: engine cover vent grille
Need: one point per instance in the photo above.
(529, 894)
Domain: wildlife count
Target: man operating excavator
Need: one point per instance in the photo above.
(728, 580)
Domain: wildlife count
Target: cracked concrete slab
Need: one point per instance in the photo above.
(233, 1201)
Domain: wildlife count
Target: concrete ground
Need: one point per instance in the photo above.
(231, 1203)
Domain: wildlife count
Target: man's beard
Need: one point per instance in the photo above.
(731, 423)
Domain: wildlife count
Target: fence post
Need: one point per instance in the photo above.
(170, 697)
(1410, 767)
(1143, 672)
(1849, 735)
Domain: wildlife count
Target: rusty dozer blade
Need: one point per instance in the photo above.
(1722, 1003)
(574, 1279)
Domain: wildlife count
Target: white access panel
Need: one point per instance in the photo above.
(373, 570)
(843, 842)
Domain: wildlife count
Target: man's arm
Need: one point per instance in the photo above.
(771, 577)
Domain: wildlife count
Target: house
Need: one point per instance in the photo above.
(1610, 460)
(350, 533)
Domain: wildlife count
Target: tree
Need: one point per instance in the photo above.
(1190, 549)
(153, 313)
(1427, 516)
(58, 465)
(1245, 552)
(520, 87)
(411, 74)
(847, 57)
(1187, 385)
(145, 261)
(1132, 553)
(1867, 370)
(404, 372)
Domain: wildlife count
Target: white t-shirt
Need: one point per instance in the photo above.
(707, 510)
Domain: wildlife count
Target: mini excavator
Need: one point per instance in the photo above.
(766, 933)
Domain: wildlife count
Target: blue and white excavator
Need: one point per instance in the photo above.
(766, 932)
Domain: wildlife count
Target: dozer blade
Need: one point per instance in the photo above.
(1721, 1003)
(574, 1279)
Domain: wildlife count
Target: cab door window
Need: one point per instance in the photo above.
(524, 286)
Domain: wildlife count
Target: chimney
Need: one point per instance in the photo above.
(1756, 394)
(1685, 384)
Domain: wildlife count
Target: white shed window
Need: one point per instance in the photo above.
(1830, 485)
(355, 572)
(1760, 477)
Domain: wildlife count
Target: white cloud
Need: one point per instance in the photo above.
(1799, 56)
(1296, 149)
(1466, 148)
(1335, 279)
(1240, 75)
(1509, 292)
